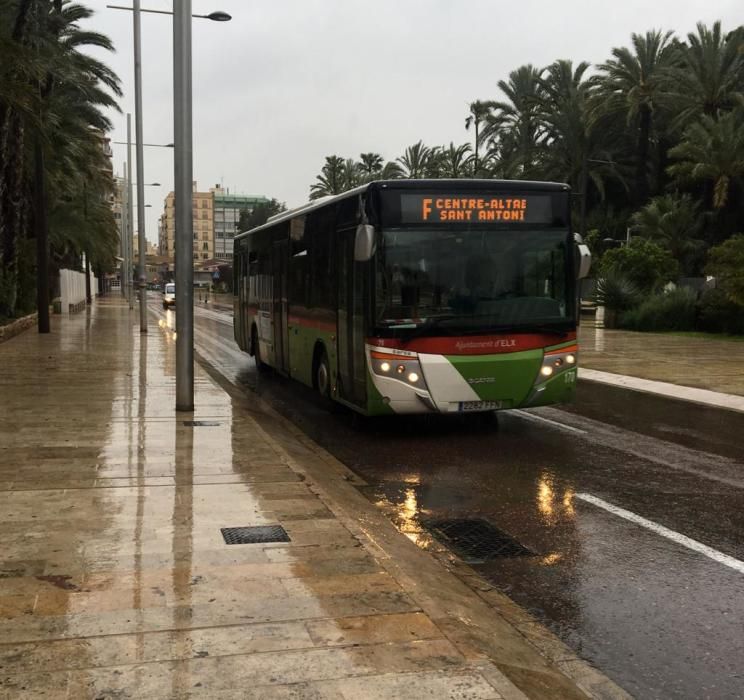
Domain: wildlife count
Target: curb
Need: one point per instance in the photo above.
(545, 644)
(16, 327)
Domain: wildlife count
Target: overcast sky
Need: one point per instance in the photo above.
(287, 82)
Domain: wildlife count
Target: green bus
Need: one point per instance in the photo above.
(418, 296)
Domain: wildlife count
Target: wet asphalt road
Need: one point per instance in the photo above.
(642, 605)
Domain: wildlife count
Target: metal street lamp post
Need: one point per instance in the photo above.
(130, 212)
(217, 16)
(155, 145)
(183, 170)
(124, 238)
(140, 165)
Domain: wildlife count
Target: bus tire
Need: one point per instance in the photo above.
(323, 375)
(261, 366)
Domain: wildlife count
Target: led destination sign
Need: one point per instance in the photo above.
(458, 208)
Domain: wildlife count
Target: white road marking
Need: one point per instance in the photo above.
(674, 391)
(555, 423)
(685, 541)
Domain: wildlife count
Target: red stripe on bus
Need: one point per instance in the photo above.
(473, 344)
(309, 322)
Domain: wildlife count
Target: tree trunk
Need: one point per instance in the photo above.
(583, 185)
(88, 298)
(42, 240)
(12, 178)
(644, 134)
(475, 167)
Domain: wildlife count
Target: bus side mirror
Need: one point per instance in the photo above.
(364, 243)
(585, 260)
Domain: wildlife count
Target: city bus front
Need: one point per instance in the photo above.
(474, 300)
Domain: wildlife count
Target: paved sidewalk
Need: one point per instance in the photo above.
(115, 581)
(690, 367)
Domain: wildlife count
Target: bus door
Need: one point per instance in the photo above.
(279, 264)
(352, 384)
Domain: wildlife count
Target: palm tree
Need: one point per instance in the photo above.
(391, 171)
(712, 151)
(629, 86)
(434, 163)
(513, 126)
(572, 146)
(707, 78)
(370, 165)
(352, 175)
(331, 179)
(479, 111)
(674, 221)
(55, 125)
(456, 161)
(415, 160)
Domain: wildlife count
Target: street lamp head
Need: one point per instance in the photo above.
(219, 16)
(169, 145)
(154, 184)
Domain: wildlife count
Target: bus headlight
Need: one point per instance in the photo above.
(557, 362)
(403, 368)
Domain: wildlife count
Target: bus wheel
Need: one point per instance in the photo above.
(323, 376)
(261, 366)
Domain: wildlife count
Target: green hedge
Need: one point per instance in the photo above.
(718, 314)
(676, 310)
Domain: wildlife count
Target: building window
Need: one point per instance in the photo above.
(205, 256)
(196, 256)
(205, 246)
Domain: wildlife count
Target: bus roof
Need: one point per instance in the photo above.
(408, 184)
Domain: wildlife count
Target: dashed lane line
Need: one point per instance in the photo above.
(534, 417)
(683, 540)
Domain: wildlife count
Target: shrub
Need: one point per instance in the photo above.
(675, 310)
(718, 314)
(615, 292)
(644, 263)
(726, 264)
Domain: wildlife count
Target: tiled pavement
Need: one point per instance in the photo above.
(115, 581)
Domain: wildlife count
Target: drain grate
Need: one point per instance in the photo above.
(200, 423)
(254, 535)
(476, 540)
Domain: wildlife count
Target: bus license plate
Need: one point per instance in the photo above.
(479, 405)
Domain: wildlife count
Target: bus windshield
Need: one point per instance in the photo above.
(472, 279)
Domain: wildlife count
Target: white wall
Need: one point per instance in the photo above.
(72, 288)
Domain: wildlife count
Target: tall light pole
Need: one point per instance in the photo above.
(130, 212)
(124, 233)
(183, 171)
(183, 168)
(140, 165)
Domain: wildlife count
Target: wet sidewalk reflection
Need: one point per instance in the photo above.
(115, 580)
(700, 362)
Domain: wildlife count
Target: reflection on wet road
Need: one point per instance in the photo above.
(661, 618)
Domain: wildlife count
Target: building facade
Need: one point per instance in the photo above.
(227, 208)
(215, 217)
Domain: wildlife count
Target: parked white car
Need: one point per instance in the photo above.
(169, 295)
